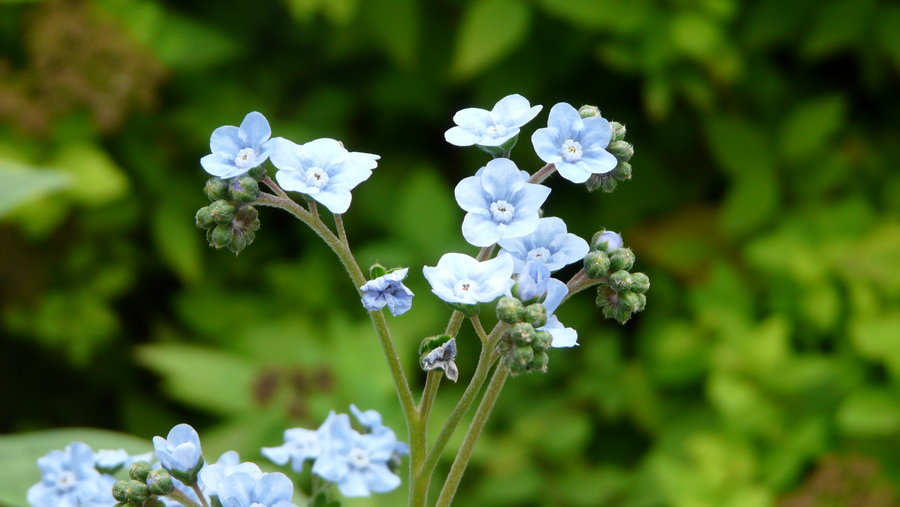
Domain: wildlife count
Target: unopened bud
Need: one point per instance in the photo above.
(622, 171)
(587, 111)
(258, 172)
(536, 315)
(521, 333)
(220, 236)
(630, 301)
(241, 240)
(510, 310)
(376, 271)
(139, 470)
(523, 355)
(204, 218)
(622, 150)
(244, 189)
(606, 240)
(247, 218)
(618, 131)
(160, 482)
(222, 212)
(216, 189)
(640, 282)
(593, 183)
(608, 183)
(542, 340)
(540, 361)
(596, 263)
(620, 281)
(623, 258)
(130, 491)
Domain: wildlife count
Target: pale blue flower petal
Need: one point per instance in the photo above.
(459, 136)
(480, 230)
(226, 141)
(572, 172)
(470, 194)
(255, 129)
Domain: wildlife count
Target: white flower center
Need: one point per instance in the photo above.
(316, 178)
(496, 131)
(464, 287)
(502, 211)
(66, 479)
(539, 254)
(571, 151)
(358, 458)
(245, 158)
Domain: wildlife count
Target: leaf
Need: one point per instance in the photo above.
(396, 26)
(179, 242)
(489, 30)
(19, 454)
(22, 184)
(840, 24)
(873, 412)
(739, 146)
(809, 127)
(202, 377)
(97, 179)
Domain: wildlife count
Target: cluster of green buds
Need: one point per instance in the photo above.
(143, 487)
(618, 147)
(620, 293)
(230, 221)
(522, 346)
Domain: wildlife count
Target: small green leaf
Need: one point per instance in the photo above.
(19, 454)
(839, 24)
(22, 184)
(396, 26)
(96, 179)
(739, 146)
(178, 240)
(489, 30)
(810, 126)
(870, 413)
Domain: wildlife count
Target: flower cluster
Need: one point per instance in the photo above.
(359, 463)
(620, 294)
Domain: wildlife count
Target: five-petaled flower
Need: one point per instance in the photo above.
(458, 278)
(575, 145)
(236, 150)
(250, 490)
(500, 203)
(180, 452)
(491, 128)
(550, 244)
(388, 290)
(68, 477)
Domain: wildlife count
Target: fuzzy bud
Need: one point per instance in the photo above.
(140, 470)
(618, 131)
(620, 281)
(536, 315)
(542, 340)
(621, 150)
(204, 218)
(640, 282)
(257, 173)
(588, 111)
(521, 333)
(540, 361)
(243, 189)
(131, 491)
(606, 241)
(622, 171)
(215, 189)
(596, 263)
(523, 355)
(630, 301)
(160, 482)
(623, 258)
(510, 310)
(222, 212)
(220, 236)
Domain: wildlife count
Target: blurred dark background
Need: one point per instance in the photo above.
(764, 206)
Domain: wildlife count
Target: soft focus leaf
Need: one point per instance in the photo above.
(870, 413)
(396, 26)
(490, 29)
(178, 240)
(96, 179)
(22, 184)
(810, 126)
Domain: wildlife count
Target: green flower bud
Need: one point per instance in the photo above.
(220, 236)
(596, 263)
(131, 491)
(640, 282)
(515, 368)
(432, 342)
(376, 271)
(622, 171)
(510, 310)
(139, 470)
(222, 212)
(216, 189)
(588, 111)
(536, 315)
(241, 240)
(542, 340)
(243, 189)
(120, 491)
(247, 218)
(621, 150)
(623, 258)
(618, 131)
(593, 183)
(540, 361)
(204, 218)
(257, 173)
(642, 302)
(521, 333)
(160, 482)
(608, 183)
(523, 355)
(629, 301)
(620, 281)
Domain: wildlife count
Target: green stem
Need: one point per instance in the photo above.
(479, 330)
(181, 498)
(478, 422)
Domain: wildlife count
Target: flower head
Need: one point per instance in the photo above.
(494, 127)
(562, 336)
(180, 452)
(236, 150)
(213, 476)
(299, 445)
(388, 290)
(532, 283)
(550, 244)
(249, 490)
(576, 145)
(68, 478)
(500, 203)
(458, 278)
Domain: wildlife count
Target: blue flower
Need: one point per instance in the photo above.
(576, 145)
(500, 203)
(357, 463)
(180, 452)
(494, 127)
(562, 336)
(388, 290)
(550, 244)
(609, 241)
(371, 420)
(110, 460)
(213, 476)
(68, 478)
(458, 278)
(322, 169)
(236, 150)
(299, 445)
(266, 490)
(532, 283)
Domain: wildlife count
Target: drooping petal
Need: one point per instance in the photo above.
(337, 202)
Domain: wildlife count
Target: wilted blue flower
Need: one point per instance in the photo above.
(388, 290)
(494, 127)
(562, 336)
(458, 278)
(266, 490)
(576, 145)
(612, 240)
(550, 244)
(214, 475)
(500, 203)
(236, 150)
(180, 452)
(357, 463)
(442, 357)
(299, 445)
(532, 282)
(322, 169)
(69, 479)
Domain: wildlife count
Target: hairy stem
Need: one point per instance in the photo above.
(542, 174)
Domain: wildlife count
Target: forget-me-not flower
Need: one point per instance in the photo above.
(69, 479)
(214, 475)
(265, 490)
(532, 282)
(371, 420)
(458, 278)
(111, 460)
(494, 127)
(236, 150)
(562, 336)
(550, 244)
(322, 169)
(500, 203)
(576, 145)
(609, 240)
(357, 463)
(180, 452)
(300, 444)
(388, 290)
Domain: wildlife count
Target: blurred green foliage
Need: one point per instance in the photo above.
(764, 206)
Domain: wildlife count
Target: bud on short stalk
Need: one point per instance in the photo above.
(623, 258)
(216, 189)
(510, 310)
(596, 264)
(622, 150)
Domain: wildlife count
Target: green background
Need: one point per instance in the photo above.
(764, 206)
